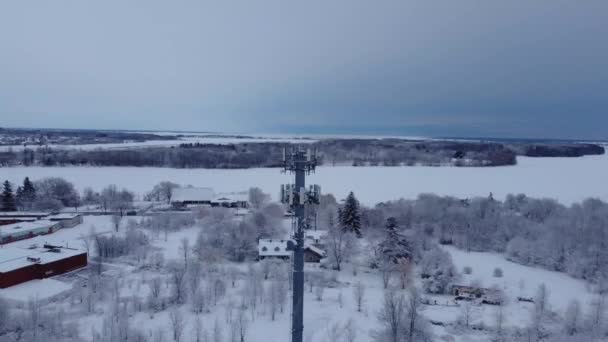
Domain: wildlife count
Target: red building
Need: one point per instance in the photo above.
(18, 265)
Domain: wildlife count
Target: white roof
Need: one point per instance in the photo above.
(26, 226)
(23, 214)
(273, 247)
(231, 197)
(63, 216)
(192, 194)
(315, 234)
(13, 258)
(316, 250)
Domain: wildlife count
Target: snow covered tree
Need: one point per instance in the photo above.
(53, 193)
(28, 194)
(437, 271)
(162, 191)
(394, 248)
(350, 216)
(257, 198)
(8, 198)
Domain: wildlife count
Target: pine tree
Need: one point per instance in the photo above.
(28, 193)
(8, 199)
(350, 218)
(394, 246)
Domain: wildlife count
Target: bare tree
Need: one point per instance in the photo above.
(539, 312)
(466, 313)
(572, 318)
(597, 312)
(177, 324)
(340, 244)
(391, 317)
(242, 323)
(319, 289)
(349, 331)
(217, 331)
(359, 295)
(500, 319)
(177, 277)
(198, 331)
(184, 249)
(116, 219)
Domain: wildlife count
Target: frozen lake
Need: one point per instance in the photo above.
(565, 179)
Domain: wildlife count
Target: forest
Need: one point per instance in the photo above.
(356, 152)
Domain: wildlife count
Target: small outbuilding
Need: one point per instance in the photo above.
(66, 220)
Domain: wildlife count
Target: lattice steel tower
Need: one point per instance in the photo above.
(300, 162)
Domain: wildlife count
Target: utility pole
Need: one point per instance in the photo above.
(296, 195)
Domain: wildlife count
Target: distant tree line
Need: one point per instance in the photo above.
(247, 155)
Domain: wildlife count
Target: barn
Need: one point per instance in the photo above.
(184, 197)
(19, 265)
(26, 230)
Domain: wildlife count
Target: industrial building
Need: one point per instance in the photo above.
(66, 220)
(10, 217)
(19, 265)
(26, 230)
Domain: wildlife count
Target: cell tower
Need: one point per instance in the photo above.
(300, 162)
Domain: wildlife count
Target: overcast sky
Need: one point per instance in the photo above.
(516, 68)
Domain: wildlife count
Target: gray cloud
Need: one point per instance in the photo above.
(510, 68)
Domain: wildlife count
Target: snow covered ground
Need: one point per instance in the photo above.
(565, 179)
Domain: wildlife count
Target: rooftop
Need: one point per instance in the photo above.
(13, 258)
(192, 194)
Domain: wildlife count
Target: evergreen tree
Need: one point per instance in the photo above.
(19, 198)
(394, 246)
(28, 193)
(8, 199)
(350, 217)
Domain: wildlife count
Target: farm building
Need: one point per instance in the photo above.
(66, 220)
(184, 197)
(272, 248)
(236, 200)
(18, 265)
(26, 230)
(11, 217)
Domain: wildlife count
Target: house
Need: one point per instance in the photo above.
(272, 248)
(184, 197)
(280, 249)
(66, 220)
(19, 265)
(315, 237)
(26, 230)
(313, 254)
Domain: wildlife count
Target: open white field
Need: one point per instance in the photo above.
(565, 179)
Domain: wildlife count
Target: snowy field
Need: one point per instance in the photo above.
(565, 179)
